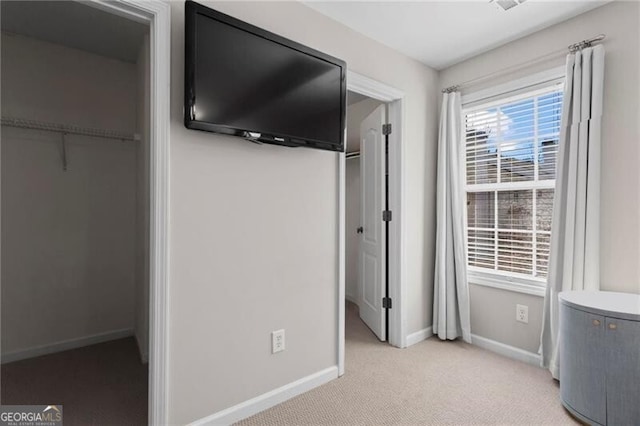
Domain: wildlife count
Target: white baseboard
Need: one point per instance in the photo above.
(419, 336)
(269, 399)
(506, 350)
(66, 345)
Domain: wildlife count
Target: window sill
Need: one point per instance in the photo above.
(534, 288)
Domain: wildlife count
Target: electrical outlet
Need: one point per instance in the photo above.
(522, 313)
(277, 341)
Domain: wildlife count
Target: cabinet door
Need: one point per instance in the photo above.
(582, 364)
(623, 372)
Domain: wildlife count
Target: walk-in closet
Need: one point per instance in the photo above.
(75, 211)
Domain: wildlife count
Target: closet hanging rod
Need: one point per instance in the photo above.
(68, 129)
(351, 155)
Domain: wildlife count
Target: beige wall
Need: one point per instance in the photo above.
(356, 113)
(493, 315)
(67, 237)
(50, 82)
(141, 322)
(493, 311)
(254, 229)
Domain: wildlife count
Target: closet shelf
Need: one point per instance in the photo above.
(68, 129)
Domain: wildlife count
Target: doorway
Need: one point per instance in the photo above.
(85, 146)
(366, 197)
(381, 126)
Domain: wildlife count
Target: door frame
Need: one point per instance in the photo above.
(157, 15)
(394, 98)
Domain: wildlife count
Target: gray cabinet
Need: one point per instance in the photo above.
(582, 370)
(600, 356)
(623, 372)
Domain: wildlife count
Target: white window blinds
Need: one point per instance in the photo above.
(511, 149)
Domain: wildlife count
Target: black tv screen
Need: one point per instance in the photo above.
(245, 81)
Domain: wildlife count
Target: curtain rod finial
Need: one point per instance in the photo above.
(586, 43)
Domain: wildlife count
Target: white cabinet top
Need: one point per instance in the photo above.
(608, 303)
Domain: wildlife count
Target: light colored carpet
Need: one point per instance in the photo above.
(432, 382)
(103, 384)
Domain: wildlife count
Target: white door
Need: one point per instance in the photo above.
(372, 239)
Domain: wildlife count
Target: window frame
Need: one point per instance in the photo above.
(522, 88)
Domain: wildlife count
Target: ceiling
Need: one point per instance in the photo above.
(75, 25)
(442, 33)
(437, 33)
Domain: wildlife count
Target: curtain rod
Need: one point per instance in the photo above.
(67, 129)
(572, 48)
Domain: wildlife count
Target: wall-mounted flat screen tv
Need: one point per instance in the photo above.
(242, 80)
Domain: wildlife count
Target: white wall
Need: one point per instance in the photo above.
(493, 311)
(254, 229)
(141, 322)
(67, 237)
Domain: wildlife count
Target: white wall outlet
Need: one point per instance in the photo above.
(277, 341)
(522, 313)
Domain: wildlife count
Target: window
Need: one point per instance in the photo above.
(511, 147)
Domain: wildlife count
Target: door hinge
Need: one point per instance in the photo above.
(386, 302)
(386, 216)
(386, 129)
